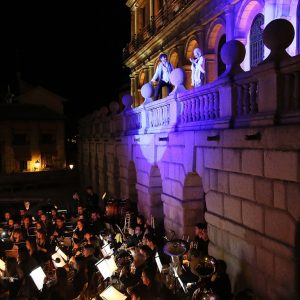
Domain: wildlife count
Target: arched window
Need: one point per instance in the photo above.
(298, 29)
(221, 65)
(174, 59)
(256, 41)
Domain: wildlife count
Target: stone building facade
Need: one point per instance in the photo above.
(177, 27)
(226, 152)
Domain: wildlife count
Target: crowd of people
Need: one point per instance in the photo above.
(33, 235)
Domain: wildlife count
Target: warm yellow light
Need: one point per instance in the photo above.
(71, 166)
(37, 165)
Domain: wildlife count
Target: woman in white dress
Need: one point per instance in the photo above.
(198, 65)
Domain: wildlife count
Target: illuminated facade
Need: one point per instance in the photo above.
(177, 27)
(32, 133)
(226, 152)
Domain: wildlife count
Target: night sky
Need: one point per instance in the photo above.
(68, 50)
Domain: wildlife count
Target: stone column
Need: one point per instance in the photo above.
(136, 20)
(151, 10)
(229, 16)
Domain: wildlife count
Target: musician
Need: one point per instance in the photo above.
(26, 227)
(18, 239)
(96, 223)
(201, 239)
(155, 289)
(54, 215)
(62, 289)
(7, 216)
(43, 245)
(80, 277)
(82, 213)
(137, 292)
(132, 240)
(90, 260)
(92, 199)
(220, 282)
(59, 228)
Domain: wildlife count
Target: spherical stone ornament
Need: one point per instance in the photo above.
(147, 90)
(114, 107)
(127, 101)
(233, 53)
(278, 34)
(177, 77)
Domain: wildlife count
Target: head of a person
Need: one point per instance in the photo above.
(148, 276)
(59, 222)
(40, 212)
(89, 190)
(131, 231)
(7, 215)
(88, 250)
(11, 222)
(26, 204)
(43, 217)
(150, 241)
(18, 235)
(88, 234)
(197, 52)
(38, 225)
(26, 221)
(21, 212)
(94, 216)
(163, 57)
(80, 224)
(140, 219)
(201, 229)
(138, 230)
(80, 210)
(53, 212)
(41, 234)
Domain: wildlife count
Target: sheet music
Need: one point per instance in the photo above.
(2, 265)
(179, 280)
(38, 277)
(112, 294)
(61, 263)
(107, 267)
(158, 262)
(62, 254)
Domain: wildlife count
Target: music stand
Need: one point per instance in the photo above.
(106, 250)
(179, 280)
(111, 293)
(59, 258)
(2, 265)
(158, 262)
(107, 266)
(38, 277)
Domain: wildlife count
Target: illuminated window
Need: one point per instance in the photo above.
(256, 41)
(174, 59)
(298, 29)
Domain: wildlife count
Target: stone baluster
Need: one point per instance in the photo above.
(246, 99)
(206, 111)
(253, 97)
(216, 105)
(202, 115)
(296, 92)
(197, 108)
(211, 106)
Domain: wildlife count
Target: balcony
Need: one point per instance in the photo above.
(157, 23)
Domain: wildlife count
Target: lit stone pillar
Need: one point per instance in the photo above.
(150, 71)
(132, 85)
(151, 10)
(229, 24)
(136, 92)
(135, 20)
(146, 71)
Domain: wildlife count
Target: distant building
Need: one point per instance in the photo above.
(32, 132)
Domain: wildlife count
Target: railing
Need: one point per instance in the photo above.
(164, 16)
(266, 95)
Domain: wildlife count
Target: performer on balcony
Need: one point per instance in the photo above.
(198, 68)
(162, 75)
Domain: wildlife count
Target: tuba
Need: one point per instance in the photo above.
(205, 269)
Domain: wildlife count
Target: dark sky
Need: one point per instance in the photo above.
(74, 51)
